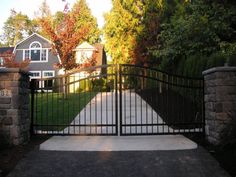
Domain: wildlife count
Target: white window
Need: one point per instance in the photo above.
(47, 74)
(1, 62)
(36, 75)
(48, 84)
(44, 54)
(36, 53)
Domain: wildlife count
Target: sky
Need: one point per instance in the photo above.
(28, 7)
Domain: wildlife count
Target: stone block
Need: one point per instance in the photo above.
(3, 112)
(15, 90)
(212, 140)
(5, 106)
(220, 127)
(218, 107)
(229, 106)
(16, 102)
(210, 106)
(16, 120)
(12, 112)
(226, 90)
(5, 84)
(16, 76)
(226, 74)
(6, 100)
(225, 98)
(210, 77)
(225, 82)
(15, 131)
(222, 116)
(7, 121)
(6, 76)
(209, 90)
(209, 83)
(210, 98)
(209, 115)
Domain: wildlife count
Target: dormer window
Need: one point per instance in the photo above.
(36, 53)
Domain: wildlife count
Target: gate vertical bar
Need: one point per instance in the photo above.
(116, 97)
(203, 107)
(120, 90)
(32, 88)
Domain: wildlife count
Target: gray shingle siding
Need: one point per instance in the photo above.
(37, 66)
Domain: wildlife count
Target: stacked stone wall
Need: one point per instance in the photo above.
(220, 104)
(14, 107)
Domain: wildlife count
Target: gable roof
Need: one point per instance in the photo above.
(32, 35)
(84, 46)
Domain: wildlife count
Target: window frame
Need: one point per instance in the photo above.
(43, 76)
(43, 72)
(40, 48)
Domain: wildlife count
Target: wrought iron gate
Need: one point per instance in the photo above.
(117, 100)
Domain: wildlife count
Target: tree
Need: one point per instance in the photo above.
(85, 18)
(10, 61)
(66, 35)
(200, 28)
(44, 10)
(131, 29)
(16, 28)
(121, 28)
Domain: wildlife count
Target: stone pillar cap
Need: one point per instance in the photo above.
(220, 69)
(14, 70)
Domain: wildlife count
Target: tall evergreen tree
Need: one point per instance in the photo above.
(85, 18)
(122, 25)
(131, 28)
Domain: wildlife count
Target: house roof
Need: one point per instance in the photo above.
(84, 46)
(6, 50)
(32, 35)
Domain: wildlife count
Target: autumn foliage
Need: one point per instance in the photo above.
(65, 36)
(9, 61)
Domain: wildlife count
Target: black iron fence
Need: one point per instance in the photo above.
(117, 100)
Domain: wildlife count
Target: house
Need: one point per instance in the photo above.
(42, 59)
(38, 50)
(84, 53)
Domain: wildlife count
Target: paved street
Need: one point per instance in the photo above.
(182, 163)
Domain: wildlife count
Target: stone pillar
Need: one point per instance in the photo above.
(14, 107)
(220, 104)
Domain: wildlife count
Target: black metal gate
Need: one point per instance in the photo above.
(117, 100)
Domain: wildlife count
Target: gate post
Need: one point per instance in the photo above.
(220, 104)
(14, 107)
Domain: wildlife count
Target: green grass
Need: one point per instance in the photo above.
(55, 111)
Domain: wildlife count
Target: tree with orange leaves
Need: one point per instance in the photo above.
(66, 35)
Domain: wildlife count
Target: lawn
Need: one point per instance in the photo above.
(55, 111)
